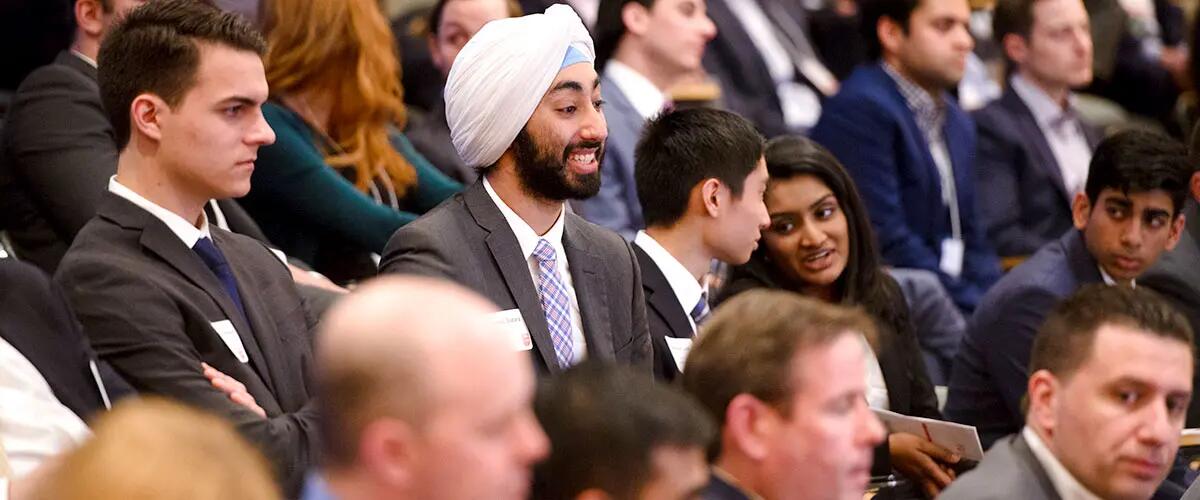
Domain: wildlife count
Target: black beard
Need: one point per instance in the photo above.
(545, 175)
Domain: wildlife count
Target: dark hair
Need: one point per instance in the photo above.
(1065, 340)
(610, 27)
(680, 149)
(1012, 17)
(1138, 161)
(604, 422)
(435, 14)
(872, 11)
(735, 356)
(154, 49)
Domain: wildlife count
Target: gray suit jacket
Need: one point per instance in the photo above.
(616, 206)
(147, 303)
(466, 239)
(1008, 471)
(1176, 275)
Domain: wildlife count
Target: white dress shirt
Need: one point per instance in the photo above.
(877, 393)
(187, 233)
(528, 239)
(34, 425)
(646, 98)
(687, 290)
(1067, 487)
(1062, 130)
(800, 104)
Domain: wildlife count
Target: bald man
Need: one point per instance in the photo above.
(523, 105)
(422, 397)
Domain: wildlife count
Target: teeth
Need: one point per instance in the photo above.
(819, 255)
(586, 158)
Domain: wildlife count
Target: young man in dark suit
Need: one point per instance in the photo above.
(700, 178)
(1034, 148)
(158, 289)
(568, 288)
(1129, 213)
(909, 146)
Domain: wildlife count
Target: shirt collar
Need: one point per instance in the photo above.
(1108, 280)
(186, 232)
(646, 98)
(1065, 484)
(930, 112)
(1044, 109)
(84, 57)
(526, 236)
(687, 289)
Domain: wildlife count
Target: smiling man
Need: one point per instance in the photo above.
(1129, 213)
(523, 105)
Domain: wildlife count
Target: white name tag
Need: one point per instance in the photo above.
(679, 350)
(952, 257)
(229, 335)
(511, 325)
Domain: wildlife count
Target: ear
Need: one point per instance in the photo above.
(387, 448)
(1196, 186)
(592, 494)
(1177, 226)
(1081, 210)
(749, 426)
(711, 197)
(434, 54)
(89, 16)
(1043, 393)
(1015, 48)
(146, 114)
(636, 18)
(891, 35)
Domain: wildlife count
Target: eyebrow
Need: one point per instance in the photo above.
(821, 200)
(572, 85)
(1120, 202)
(239, 100)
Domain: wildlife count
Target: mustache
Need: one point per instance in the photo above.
(597, 145)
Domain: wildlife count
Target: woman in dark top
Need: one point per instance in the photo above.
(340, 177)
(820, 244)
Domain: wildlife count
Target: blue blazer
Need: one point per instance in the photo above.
(991, 370)
(1022, 198)
(870, 129)
(616, 206)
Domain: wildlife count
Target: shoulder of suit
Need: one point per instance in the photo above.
(54, 74)
(599, 235)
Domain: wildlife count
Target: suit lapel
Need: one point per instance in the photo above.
(261, 337)
(1083, 265)
(66, 58)
(1031, 133)
(589, 287)
(506, 252)
(661, 297)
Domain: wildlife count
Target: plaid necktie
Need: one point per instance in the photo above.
(700, 311)
(553, 296)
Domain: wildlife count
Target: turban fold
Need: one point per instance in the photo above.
(501, 75)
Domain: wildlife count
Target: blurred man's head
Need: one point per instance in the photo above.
(788, 389)
(422, 398)
(453, 22)
(1111, 381)
(639, 439)
(94, 19)
(1049, 42)
(663, 40)
(1132, 208)
(927, 41)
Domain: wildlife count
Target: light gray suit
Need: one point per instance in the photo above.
(466, 239)
(1176, 275)
(616, 206)
(1009, 471)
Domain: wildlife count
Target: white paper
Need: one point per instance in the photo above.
(680, 347)
(229, 335)
(953, 251)
(510, 324)
(958, 438)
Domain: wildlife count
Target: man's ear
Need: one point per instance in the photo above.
(749, 426)
(387, 448)
(434, 54)
(1177, 226)
(146, 114)
(1042, 396)
(1015, 48)
(710, 197)
(636, 18)
(1196, 186)
(1081, 210)
(593, 494)
(89, 16)
(891, 34)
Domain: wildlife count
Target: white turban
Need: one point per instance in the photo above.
(501, 75)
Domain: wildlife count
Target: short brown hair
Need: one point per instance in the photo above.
(748, 346)
(154, 50)
(1065, 341)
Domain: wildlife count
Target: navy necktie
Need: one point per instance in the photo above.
(215, 261)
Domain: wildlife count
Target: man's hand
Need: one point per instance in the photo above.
(236, 391)
(923, 462)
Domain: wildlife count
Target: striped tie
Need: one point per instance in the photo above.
(553, 296)
(700, 312)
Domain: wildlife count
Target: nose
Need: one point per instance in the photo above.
(764, 217)
(871, 431)
(532, 444)
(261, 133)
(1083, 40)
(1131, 234)
(595, 127)
(810, 234)
(1157, 428)
(962, 37)
(707, 28)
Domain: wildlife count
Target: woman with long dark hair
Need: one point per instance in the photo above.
(820, 244)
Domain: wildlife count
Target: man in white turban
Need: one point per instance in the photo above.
(523, 106)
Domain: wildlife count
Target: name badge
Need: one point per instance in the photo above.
(229, 335)
(680, 348)
(952, 257)
(511, 325)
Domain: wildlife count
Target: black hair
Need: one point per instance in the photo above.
(872, 11)
(1136, 161)
(610, 27)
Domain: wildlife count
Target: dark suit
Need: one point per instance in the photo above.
(665, 316)
(1022, 198)
(616, 206)
(719, 489)
(869, 127)
(1009, 470)
(35, 319)
(992, 368)
(1176, 276)
(147, 302)
(467, 240)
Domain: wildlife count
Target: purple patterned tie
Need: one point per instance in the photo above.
(554, 302)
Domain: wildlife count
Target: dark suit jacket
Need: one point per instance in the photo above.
(467, 240)
(1009, 470)
(616, 206)
(36, 320)
(1177, 277)
(719, 489)
(1022, 199)
(991, 370)
(664, 315)
(59, 151)
(147, 303)
(870, 129)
